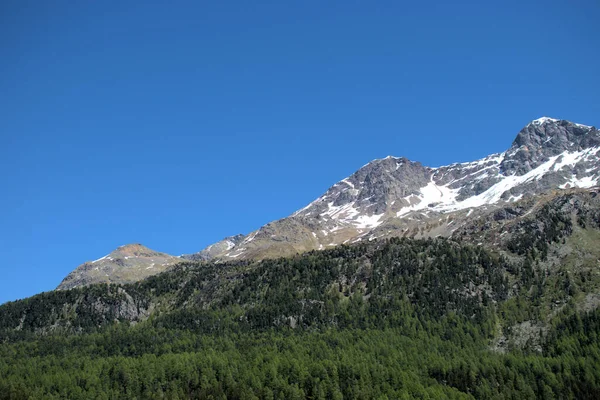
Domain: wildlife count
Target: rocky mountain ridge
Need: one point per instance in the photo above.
(399, 197)
(535, 296)
(393, 196)
(215, 249)
(546, 245)
(128, 263)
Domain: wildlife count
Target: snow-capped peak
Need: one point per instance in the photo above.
(543, 120)
(394, 194)
(531, 165)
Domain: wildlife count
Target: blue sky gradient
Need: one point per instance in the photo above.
(175, 124)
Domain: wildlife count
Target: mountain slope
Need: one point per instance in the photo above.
(215, 250)
(396, 195)
(128, 263)
(543, 252)
(358, 320)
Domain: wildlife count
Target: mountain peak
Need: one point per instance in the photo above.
(134, 249)
(393, 196)
(543, 120)
(132, 246)
(553, 121)
(554, 135)
(128, 263)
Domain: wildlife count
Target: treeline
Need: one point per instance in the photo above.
(398, 318)
(553, 223)
(360, 286)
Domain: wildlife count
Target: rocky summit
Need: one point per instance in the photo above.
(398, 197)
(129, 263)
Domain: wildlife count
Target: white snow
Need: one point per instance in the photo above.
(100, 259)
(366, 221)
(570, 159)
(251, 237)
(479, 174)
(435, 197)
(585, 182)
(543, 120)
(346, 181)
(230, 244)
(236, 253)
(493, 158)
(443, 198)
(348, 214)
(515, 198)
(431, 193)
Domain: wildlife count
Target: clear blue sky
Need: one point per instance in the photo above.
(175, 124)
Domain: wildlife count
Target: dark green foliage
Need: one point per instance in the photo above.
(147, 362)
(551, 224)
(389, 319)
(357, 286)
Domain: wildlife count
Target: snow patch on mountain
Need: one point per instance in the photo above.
(572, 158)
(102, 258)
(438, 198)
(349, 214)
(430, 195)
(546, 154)
(543, 120)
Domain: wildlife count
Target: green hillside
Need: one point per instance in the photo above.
(395, 318)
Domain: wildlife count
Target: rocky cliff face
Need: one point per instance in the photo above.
(398, 197)
(128, 263)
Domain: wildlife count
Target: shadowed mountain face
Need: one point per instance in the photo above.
(398, 197)
(129, 263)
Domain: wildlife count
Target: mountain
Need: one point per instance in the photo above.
(215, 250)
(546, 241)
(399, 197)
(393, 197)
(509, 307)
(129, 263)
